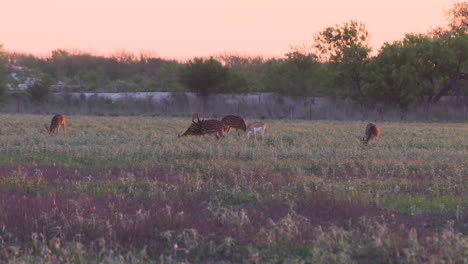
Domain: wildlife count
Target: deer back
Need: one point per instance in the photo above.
(212, 126)
(234, 121)
(257, 124)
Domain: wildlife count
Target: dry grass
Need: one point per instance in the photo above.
(127, 190)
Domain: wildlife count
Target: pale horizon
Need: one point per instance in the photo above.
(187, 29)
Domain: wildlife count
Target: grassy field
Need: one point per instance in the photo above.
(127, 190)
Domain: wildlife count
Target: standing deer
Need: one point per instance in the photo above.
(372, 132)
(212, 127)
(57, 122)
(234, 121)
(254, 129)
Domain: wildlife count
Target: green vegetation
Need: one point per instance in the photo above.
(418, 68)
(3, 73)
(203, 76)
(127, 190)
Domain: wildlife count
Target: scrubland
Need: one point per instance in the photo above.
(127, 190)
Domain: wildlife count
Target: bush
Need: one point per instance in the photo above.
(203, 76)
(40, 89)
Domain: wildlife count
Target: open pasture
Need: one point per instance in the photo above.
(127, 190)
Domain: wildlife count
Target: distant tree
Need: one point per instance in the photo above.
(331, 42)
(451, 63)
(418, 67)
(3, 73)
(345, 50)
(40, 89)
(458, 15)
(392, 76)
(244, 73)
(293, 75)
(203, 76)
(167, 78)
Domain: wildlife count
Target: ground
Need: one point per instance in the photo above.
(127, 190)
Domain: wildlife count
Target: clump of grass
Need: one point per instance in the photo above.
(424, 205)
(121, 189)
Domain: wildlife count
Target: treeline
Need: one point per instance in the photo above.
(420, 67)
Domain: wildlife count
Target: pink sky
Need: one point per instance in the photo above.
(184, 29)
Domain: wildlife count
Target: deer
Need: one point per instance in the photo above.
(235, 122)
(372, 132)
(58, 121)
(254, 129)
(203, 127)
(193, 130)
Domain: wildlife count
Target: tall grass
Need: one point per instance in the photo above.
(126, 189)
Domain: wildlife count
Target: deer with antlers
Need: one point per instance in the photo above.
(203, 127)
(372, 132)
(235, 122)
(58, 121)
(254, 129)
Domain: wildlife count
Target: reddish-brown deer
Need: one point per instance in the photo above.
(254, 129)
(203, 127)
(372, 132)
(58, 121)
(193, 130)
(235, 122)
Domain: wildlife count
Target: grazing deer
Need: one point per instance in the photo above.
(372, 132)
(234, 121)
(213, 127)
(254, 129)
(57, 122)
(193, 130)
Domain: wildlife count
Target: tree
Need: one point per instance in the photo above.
(331, 42)
(40, 89)
(345, 50)
(418, 67)
(458, 15)
(203, 76)
(294, 75)
(243, 73)
(3, 73)
(452, 62)
(392, 76)
(167, 77)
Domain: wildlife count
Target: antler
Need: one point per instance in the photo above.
(46, 128)
(198, 112)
